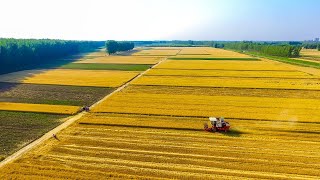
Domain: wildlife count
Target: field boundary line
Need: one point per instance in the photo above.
(67, 123)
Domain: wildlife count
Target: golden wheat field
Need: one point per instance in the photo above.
(230, 73)
(194, 51)
(99, 78)
(122, 60)
(157, 52)
(243, 82)
(223, 65)
(284, 109)
(153, 128)
(42, 108)
(205, 52)
(310, 52)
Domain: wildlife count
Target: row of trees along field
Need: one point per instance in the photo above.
(283, 50)
(312, 46)
(117, 46)
(20, 54)
(178, 43)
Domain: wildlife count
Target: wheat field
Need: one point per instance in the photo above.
(98, 78)
(41, 108)
(153, 128)
(122, 60)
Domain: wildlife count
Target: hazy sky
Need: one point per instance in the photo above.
(161, 19)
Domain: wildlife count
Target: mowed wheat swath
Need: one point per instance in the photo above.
(99, 78)
(41, 108)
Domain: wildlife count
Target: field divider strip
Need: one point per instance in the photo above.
(66, 124)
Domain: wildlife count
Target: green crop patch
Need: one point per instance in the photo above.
(51, 94)
(95, 66)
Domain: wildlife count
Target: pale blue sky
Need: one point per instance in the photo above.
(161, 19)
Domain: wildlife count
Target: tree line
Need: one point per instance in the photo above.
(118, 46)
(312, 46)
(19, 54)
(278, 49)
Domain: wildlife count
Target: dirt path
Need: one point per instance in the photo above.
(67, 123)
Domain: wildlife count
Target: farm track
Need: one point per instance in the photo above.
(64, 125)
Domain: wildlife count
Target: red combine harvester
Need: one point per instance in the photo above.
(218, 125)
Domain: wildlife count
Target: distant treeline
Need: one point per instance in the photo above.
(315, 45)
(19, 54)
(174, 43)
(117, 46)
(283, 50)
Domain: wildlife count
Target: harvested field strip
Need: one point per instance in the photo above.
(213, 58)
(230, 73)
(121, 60)
(223, 65)
(41, 108)
(160, 153)
(51, 94)
(71, 77)
(95, 66)
(21, 128)
(307, 84)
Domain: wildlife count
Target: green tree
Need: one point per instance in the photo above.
(111, 46)
(19, 54)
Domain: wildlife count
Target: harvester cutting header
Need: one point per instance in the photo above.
(218, 124)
